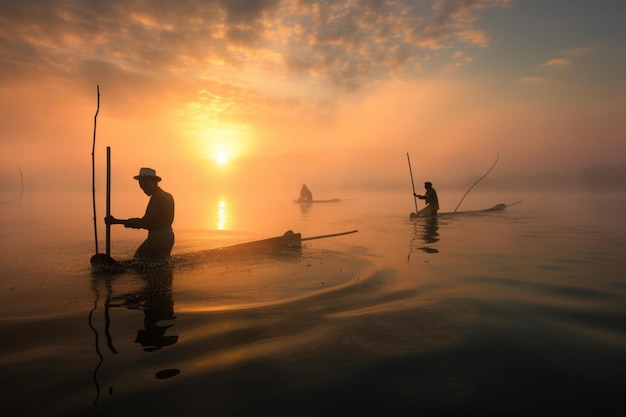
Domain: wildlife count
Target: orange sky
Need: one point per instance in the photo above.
(328, 93)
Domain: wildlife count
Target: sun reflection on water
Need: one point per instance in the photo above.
(222, 215)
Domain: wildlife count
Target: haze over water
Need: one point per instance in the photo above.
(506, 312)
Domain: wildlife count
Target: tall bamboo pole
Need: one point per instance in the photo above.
(93, 171)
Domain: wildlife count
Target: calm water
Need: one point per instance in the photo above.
(514, 312)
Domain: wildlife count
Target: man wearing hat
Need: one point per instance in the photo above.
(158, 218)
(432, 203)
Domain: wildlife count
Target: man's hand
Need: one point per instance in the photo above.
(113, 220)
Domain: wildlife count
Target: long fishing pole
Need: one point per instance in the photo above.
(494, 164)
(331, 235)
(412, 184)
(19, 197)
(93, 170)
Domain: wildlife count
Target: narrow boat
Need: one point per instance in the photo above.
(332, 200)
(287, 244)
(289, 241)
(423, 213)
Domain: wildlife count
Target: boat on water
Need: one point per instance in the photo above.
(425, 213)
(289, 241)
(287, 244)
(331, 200)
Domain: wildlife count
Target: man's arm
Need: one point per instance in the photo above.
(159, 214)
(113, 220)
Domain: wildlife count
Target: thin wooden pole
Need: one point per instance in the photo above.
(93, 171)
(331, 235)
(108, 203)
(412, 183)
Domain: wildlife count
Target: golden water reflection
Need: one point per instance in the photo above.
(222, 215)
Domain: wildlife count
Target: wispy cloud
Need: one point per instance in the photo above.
(343, 44)
(579, 51)
(562, 62)
(459, 59)
(556, 62)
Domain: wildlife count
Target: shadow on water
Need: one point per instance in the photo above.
(425, 230)
(154, 299)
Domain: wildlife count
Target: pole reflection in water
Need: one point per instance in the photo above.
(154, 299)
(426, 230)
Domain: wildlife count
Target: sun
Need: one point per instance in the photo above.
(222, 158)
(223, 145)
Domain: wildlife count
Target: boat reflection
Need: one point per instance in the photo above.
(427, 231)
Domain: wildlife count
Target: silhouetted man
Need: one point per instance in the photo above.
(305, 194)
(432, 203)
(157, 220)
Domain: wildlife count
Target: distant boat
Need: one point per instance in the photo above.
(332, 200)
(424, 213)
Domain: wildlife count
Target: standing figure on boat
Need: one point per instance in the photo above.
(157, 220)
(305, 195)
(430, 197)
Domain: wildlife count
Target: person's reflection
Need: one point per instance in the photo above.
(427, 229)
(430, 234)
(158, 306)
(305, 207)
(156, 301)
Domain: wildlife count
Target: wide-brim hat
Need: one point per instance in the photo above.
(147, 173)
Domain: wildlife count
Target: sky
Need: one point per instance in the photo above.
(255, 94)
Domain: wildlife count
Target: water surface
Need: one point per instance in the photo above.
(512, 312)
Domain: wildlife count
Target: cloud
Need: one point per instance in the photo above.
(474, 37)
(562, 62)
(343, 45)
(556, 62)
(459, 59)
(579, 51)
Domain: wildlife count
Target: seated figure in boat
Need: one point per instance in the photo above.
(430, 197)
(157, 220)
(305, 195)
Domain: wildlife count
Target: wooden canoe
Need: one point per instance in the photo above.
(289, 241)
(332, 200)
(287, 244)
(423, 213)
